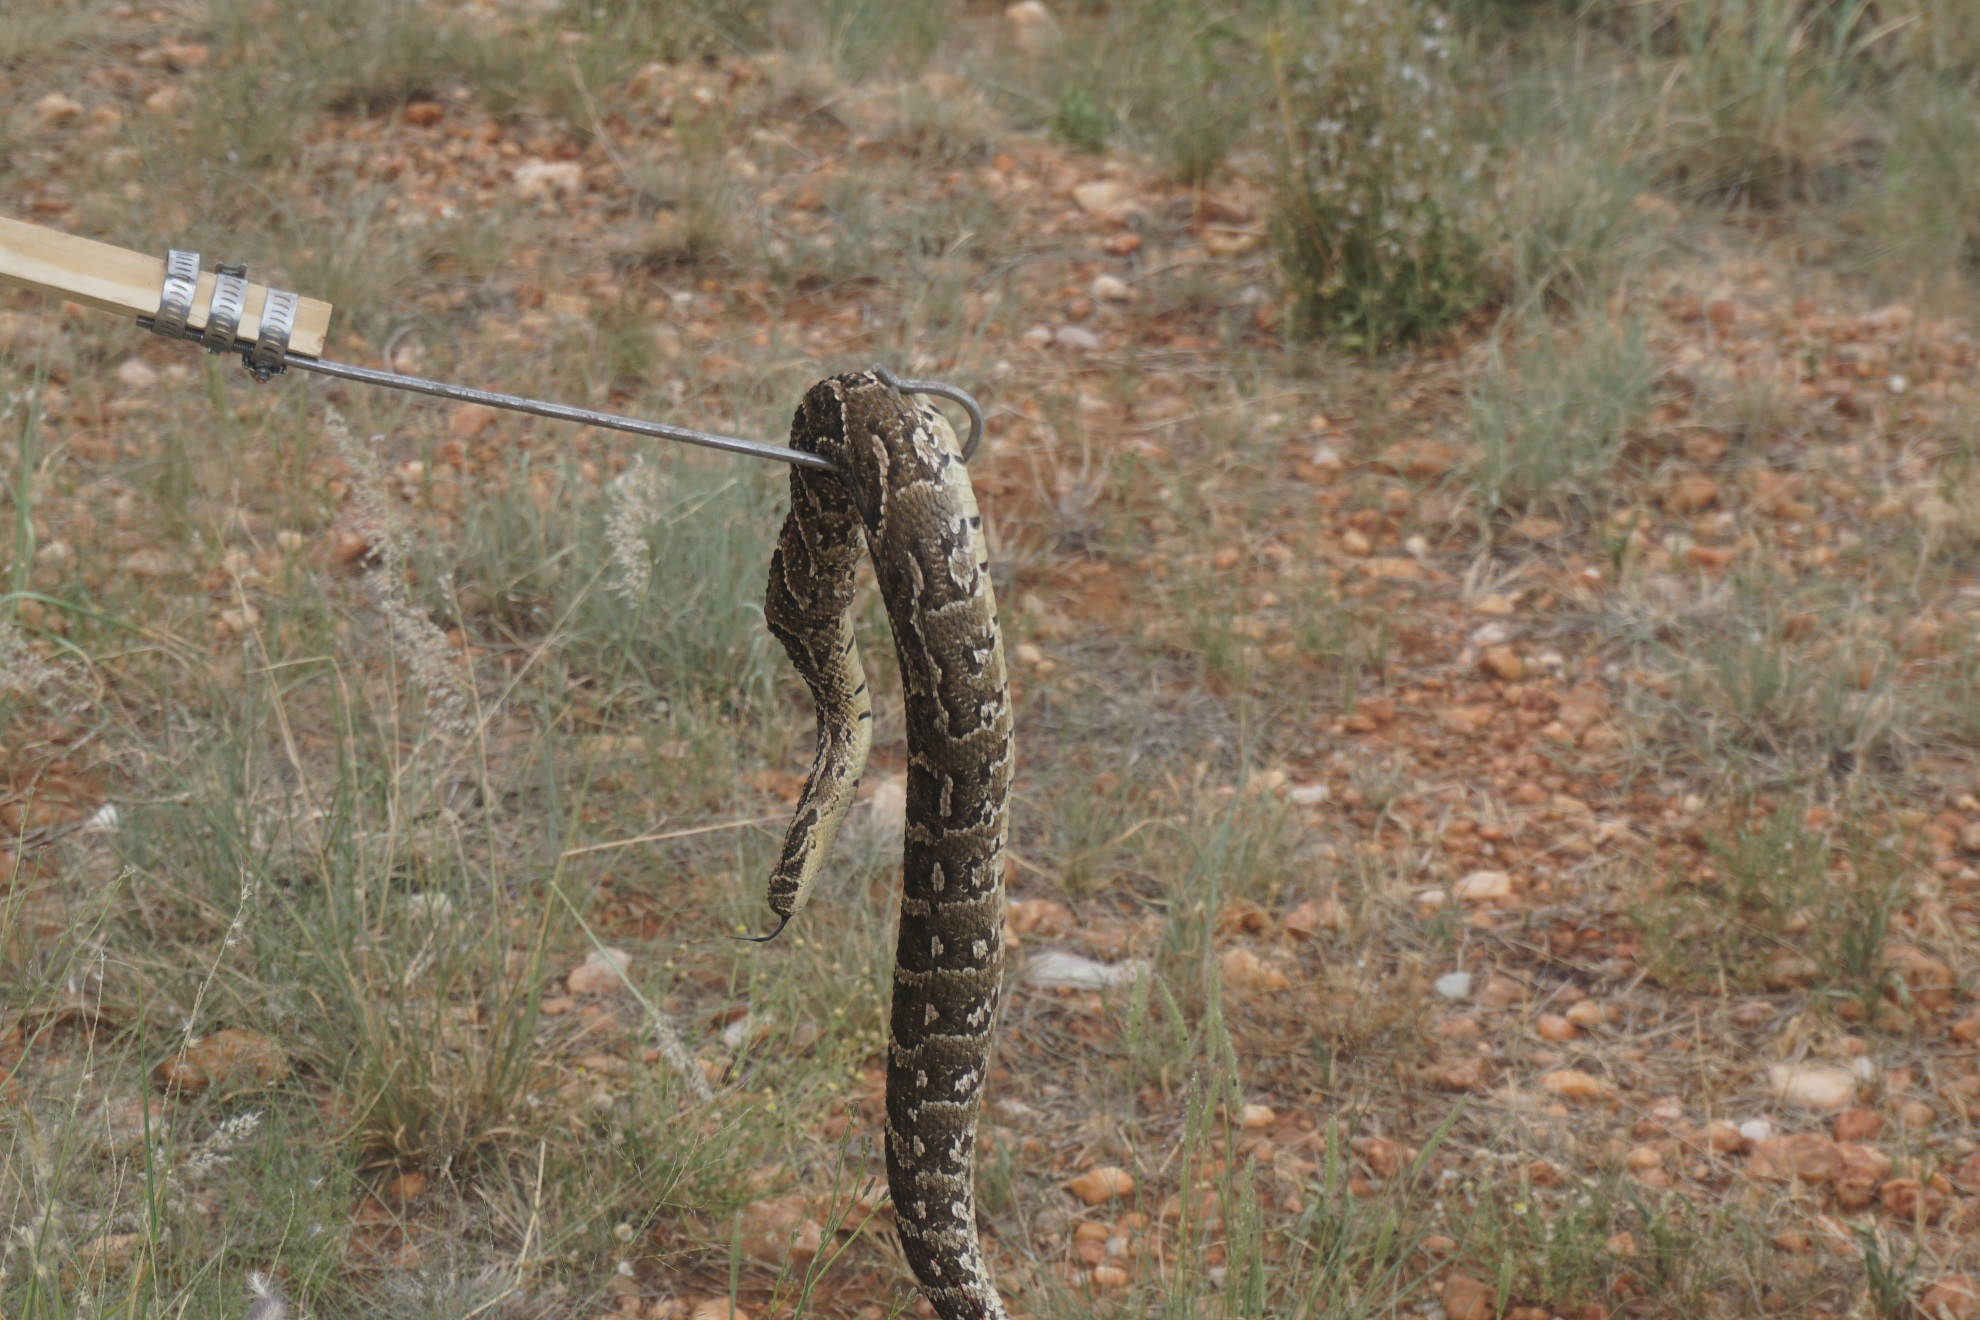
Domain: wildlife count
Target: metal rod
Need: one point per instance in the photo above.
(941, 390)
(563, 412)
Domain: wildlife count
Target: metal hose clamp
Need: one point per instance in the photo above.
(271, 346)
(223, 314)
(941, 390)
(175, 298)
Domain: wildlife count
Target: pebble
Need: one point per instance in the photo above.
(1554, 1027)
(1808, 1156)
(1504, 663)
(469, 420)
(1483, 887)
(886, 804)
(602, 972)
(1538, 529)
(1255, 1116)
(154, 563)
(1691, 494)
(1391, 568)
(1756, 1129)
(1586, 1014)
(539, 179)
(1812, 1086)
(1098, 197)
(1858, 1125)
(1327, 463)
(1077, 337)
(1573, 1084)
(1045, 917)
(1751, 1013)
(1246, 971)
(1032, 26)
(1038, 336)
(56, 108)
(1954, 1297)
(226, 1059)
(1493, 606)
(1453, 985)
(1102, 1183)
(1465, 1298)
(112, 1252)
(1059, 970)
(135, 374)
(1110, 288)
(1501, 992)
(1310, 918)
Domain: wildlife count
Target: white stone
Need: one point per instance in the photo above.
(1110, 288)
(1038, 336)
(549, 178)
(743, 1028)
(1812, 1085)
(1491, 634)
(1756, 1129)
(887, 807)
(602, 972)
(1059, 970)
(1483, 887)
(1308, 795)
(1077, 336)
(1454, 985)
(1097, 198)
(134, 374)
(1032, 26)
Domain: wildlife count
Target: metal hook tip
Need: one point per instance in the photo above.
(943, 390)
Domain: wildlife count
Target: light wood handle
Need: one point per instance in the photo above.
(114, 279)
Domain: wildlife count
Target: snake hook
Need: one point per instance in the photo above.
(941, 389)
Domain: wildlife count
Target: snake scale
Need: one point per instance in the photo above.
(900, 480)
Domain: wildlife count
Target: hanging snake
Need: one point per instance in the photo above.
(900, 479)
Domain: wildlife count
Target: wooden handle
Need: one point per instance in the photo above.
(114, 279)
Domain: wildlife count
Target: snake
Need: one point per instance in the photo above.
(899, 485)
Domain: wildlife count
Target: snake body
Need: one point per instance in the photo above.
(900, 480)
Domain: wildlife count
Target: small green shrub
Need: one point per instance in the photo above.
(1377, 226)
(1551, 422)
(1784, 903)
(1924, 222)
(1749, 97)
(1081, 121)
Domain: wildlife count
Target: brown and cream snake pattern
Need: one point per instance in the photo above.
(901, 482)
